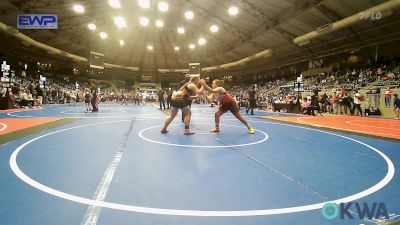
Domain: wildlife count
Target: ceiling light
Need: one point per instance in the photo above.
(233, 10)
(144, 4)
(114, 3)
(202, 41)
(176, 48)
(192, 46)
(103, 35)
(181, 30)
(121, 42)
(162, 6)
(120, 21)
(214, 28)
(150, 47)
(189, 15)
(79, 8)
(92, 26)
(159, 23)
(144, 21)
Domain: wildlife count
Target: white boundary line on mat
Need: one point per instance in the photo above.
(201, 213)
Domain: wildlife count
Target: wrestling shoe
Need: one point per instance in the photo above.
(215, 130)
(251, 130)
(164, 130)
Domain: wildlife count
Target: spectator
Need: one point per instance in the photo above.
(396, 106)
(388, 97)
(26, 99)
(95, 100)
(357, 98)
(306, 106)
(314, 103)
(160, 95)
(335, 101)
(377, 97)
(169, 96)
(3, 99)
(346, 104)
(39, 94)
(252, 100)
(87, 101)
(367, 110)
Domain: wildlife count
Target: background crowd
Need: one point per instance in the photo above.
(337, 92)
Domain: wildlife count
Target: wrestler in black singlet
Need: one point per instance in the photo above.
(182, 103)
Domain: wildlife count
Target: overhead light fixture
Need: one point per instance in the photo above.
(79, 8)
(176, 48)
(144, 21)
(159, 23)
(145, 4)
(233, 10)
(214, 28)
(150, 47)
(189, 15)
(114, 3)
(121, 42)
(163, 6)
(181, 30)
(192, 46)
(92, 26)
(103, 35)
(120, 21)
(202, 41)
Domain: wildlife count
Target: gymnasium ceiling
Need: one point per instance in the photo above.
(259, 25)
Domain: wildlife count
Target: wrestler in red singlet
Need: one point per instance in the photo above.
(227, 103)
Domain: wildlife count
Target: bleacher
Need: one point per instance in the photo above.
(391, 84)
(348, 85)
